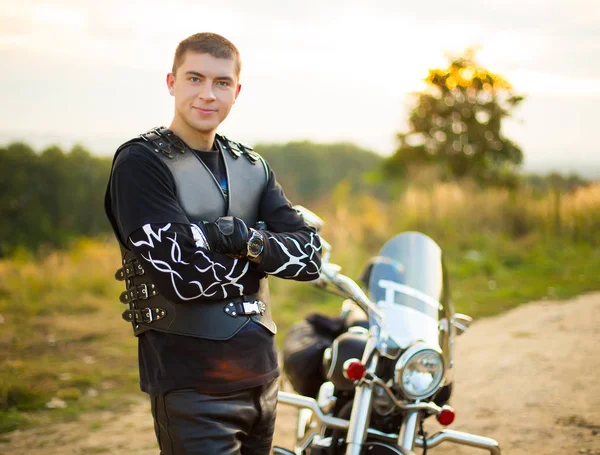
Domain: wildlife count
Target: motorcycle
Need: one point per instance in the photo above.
(390, 368)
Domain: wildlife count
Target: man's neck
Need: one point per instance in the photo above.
(193, 138)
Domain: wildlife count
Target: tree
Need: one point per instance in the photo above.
(51, 197)
(308, 170)
(455, 125)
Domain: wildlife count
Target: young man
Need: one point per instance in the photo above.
(201, 222)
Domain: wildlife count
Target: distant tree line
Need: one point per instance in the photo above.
(50, 197)
(307, 171)
(54, 196)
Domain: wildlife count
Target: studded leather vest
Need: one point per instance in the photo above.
(247, 178)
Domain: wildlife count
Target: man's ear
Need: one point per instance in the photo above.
(171, 83)
(237, 91)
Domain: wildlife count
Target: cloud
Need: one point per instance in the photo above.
(338, 69)
(543, 83)
(59, 16)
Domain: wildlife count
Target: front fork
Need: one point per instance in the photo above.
(408, 430)
(360, 419)
(360, 416)
(361, 406)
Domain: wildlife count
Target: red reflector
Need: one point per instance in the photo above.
(355, 371)
(446, 416)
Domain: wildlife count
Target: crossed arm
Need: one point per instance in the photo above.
(183, 270)
(171, 249)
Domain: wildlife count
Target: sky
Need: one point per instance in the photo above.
(322, 70)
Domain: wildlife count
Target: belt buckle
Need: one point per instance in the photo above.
(148, 314)
(252, 308)
(245, 308)
(141, 292)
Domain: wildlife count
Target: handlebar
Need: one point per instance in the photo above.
(346, 287)
(342, 285)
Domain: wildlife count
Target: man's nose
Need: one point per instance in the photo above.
(207, 92)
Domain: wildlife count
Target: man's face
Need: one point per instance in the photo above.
(205, 88)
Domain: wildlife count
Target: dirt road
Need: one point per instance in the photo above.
(528, 378)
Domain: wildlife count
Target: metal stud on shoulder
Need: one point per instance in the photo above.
(234, 150)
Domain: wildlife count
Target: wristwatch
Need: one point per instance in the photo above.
(255, 245)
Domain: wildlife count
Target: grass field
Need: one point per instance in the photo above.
(64, 348)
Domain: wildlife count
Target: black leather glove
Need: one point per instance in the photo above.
(228, 235)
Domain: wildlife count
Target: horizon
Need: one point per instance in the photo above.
(107, 146)
(344, 71)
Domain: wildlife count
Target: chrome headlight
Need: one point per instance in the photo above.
(419, 371)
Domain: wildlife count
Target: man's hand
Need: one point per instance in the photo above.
(228, 235)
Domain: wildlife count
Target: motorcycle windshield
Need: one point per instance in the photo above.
(407, 283)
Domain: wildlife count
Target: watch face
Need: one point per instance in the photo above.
(255, 244)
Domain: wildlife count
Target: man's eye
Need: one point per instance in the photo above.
(194, 79)
(223, 83)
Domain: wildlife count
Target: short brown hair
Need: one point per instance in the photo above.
(207, 43)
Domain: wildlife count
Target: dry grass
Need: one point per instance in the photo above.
(61, 333)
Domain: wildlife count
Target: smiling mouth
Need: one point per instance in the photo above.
(204, 111)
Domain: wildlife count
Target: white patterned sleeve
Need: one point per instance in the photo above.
(295, 255)
(183, 269)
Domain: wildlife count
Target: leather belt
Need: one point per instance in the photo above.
(237, 307)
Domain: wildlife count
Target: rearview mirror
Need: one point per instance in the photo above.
(461, 322)
(311, 218)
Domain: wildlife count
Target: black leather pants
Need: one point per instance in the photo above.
(239, 423)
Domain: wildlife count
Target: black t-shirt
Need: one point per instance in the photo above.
(142, 193)
(214, 161)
